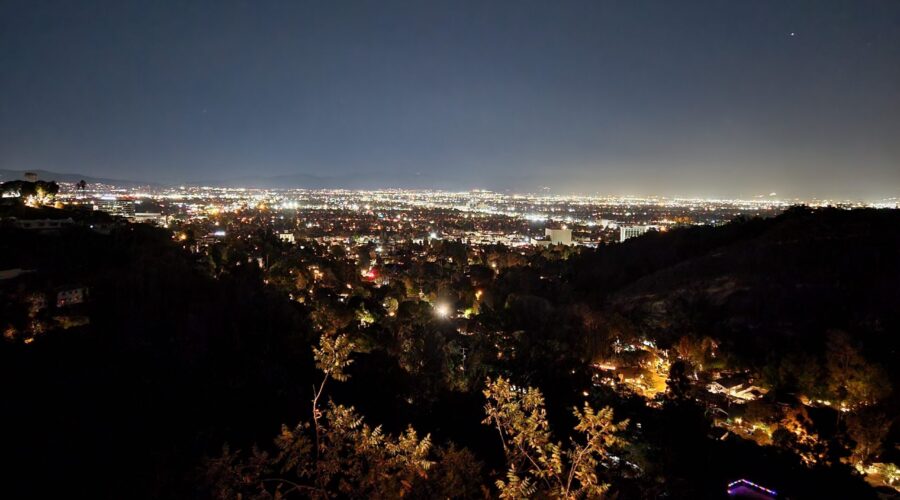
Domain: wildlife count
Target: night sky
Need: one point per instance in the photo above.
(725, 97)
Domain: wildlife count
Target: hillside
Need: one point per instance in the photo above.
(772, 283)
(11, 175)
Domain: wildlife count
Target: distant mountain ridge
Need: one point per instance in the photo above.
(372, 180)
(453, 181)
(545, 182)
(46, 175)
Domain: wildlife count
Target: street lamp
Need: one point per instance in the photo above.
(442, 310)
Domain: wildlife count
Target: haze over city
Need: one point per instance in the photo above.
(703, 98)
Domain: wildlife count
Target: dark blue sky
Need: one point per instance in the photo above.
(670, 97)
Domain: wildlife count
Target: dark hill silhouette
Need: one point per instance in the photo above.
(762, 286)
(46, 175)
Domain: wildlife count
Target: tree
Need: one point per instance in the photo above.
(695, 351)
(678, 384)
(355, 459)
(537, 465)
(868, 430)
(345, 457)
(890, 472)
(853, 380)
(795, 432)
(39, 191)
(332, 357)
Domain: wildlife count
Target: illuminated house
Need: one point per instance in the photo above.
(737, 387)
(743, 488)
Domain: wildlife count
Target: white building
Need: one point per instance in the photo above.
(559, 236)
(626, 232)
(150, 218)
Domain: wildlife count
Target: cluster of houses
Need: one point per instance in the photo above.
(643, 368)
(43, 305)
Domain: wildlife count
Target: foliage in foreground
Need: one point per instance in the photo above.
(537, 465)
(344, 456)
(354, 460)
(339, 455)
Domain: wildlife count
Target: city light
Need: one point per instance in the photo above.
(442, 310)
